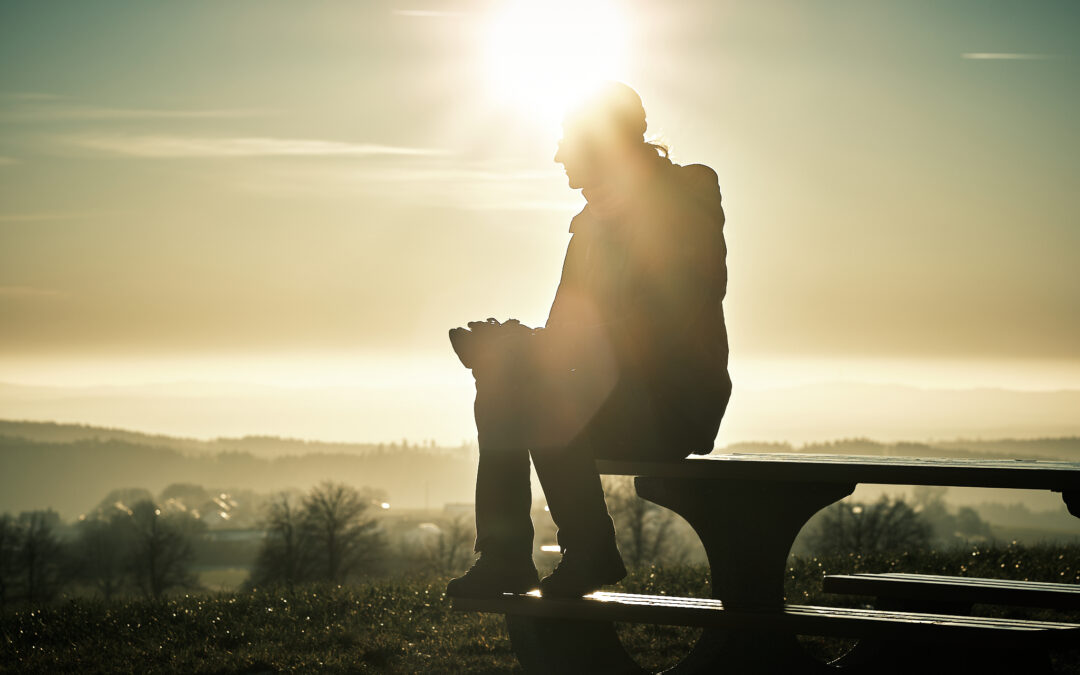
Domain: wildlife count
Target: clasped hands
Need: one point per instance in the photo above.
(484, 342)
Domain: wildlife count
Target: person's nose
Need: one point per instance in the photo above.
(558, 154)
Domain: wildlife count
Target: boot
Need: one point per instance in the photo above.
(582, 573)
(492, 575)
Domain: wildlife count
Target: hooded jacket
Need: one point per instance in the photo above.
(642, 287)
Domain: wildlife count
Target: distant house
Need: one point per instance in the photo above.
(455, 509)
(224, 535)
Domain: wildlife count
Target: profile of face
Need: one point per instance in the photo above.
(600, 134)
(579, 159)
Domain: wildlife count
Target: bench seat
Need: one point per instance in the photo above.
(792, 619)
(931, 588)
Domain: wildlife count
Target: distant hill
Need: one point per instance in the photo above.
(71, 467)
(260, 446)
(1067, 449)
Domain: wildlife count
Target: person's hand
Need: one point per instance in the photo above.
(514, 328)
(487, 341)
(463, 341)
(484, 329)
(493, 329)
(472, 343)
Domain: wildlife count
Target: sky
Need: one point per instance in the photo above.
(302, 193)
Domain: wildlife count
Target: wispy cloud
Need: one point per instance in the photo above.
(1006, 56)
(469, 187)
(181, 147)
(36, 113)
(46, 216)
(29, 96)
(7, 161)
(427, 13)
(30, 292)
(42, 107)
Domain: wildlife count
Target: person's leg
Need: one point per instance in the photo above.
(503, 489)
(586, 533)
(503, 503)
(575, 497)
(504, 532)
(624, 427)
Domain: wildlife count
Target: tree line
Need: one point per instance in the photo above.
(142, 549)
(336, 533)
(136, 548)
(326, 536)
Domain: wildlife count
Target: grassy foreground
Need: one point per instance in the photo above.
(406, 626)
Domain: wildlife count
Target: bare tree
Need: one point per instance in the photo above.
(450, 550)
(39, 555)
(101, 546)
(9, 550)
(161, 552)
(884, 526)
(286, 556)
(643, 529)
(946, 528)
(345, 542)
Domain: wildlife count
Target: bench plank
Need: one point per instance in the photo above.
(800, 467)
(974, 590)
(793, 619)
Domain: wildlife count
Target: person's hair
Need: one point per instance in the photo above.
(614, 110)
(611, 108)
(661, 149)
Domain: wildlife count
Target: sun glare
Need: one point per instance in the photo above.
(540, 55)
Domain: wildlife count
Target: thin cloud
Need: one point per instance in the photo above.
(44, 107)
(427, 13)
(474, 188)
(30, 292)
(183, 147)
(8, 161)
(333, 177)
(1006, 56)
(566, 206)
(47, 216)
(29, 96)
(85, 113)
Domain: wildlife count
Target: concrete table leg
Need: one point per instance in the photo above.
(747, 528)
(558, 646)
(1072, 501)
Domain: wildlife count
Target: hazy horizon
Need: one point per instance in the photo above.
(798, 414)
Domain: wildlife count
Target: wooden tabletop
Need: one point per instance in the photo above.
(800, 467)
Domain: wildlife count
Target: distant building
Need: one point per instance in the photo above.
(455, 509)
(234, 535)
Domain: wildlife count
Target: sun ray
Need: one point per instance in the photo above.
(540, 55)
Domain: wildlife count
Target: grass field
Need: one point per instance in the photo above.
(406, 626)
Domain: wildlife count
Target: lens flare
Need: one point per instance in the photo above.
(541, 55)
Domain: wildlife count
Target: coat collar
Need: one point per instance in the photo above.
(612, 207)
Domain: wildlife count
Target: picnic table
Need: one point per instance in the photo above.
(747, 510)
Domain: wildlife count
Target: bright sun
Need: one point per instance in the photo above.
(542, 54)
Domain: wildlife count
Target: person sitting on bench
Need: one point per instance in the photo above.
(631, 364)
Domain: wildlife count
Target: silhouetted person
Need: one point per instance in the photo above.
(631, 364)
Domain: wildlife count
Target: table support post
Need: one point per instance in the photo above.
(561, 646)
(747, 528)
(1072, 501)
